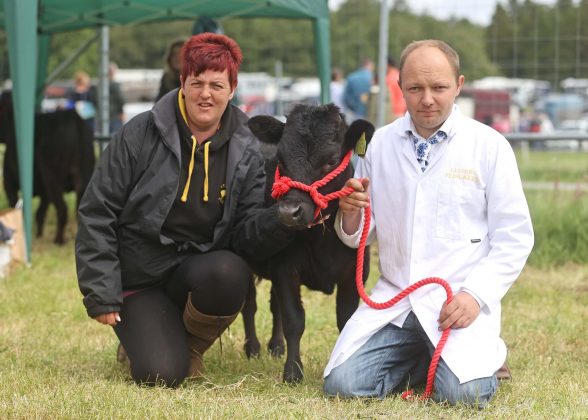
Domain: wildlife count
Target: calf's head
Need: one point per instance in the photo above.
(311, 144)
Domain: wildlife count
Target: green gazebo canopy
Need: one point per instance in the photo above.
(30, 23)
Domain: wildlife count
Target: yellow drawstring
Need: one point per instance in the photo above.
(190, 169)
(184, 198)
(206, 147)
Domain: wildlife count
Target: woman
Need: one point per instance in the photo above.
(170, 212)
(170, 79)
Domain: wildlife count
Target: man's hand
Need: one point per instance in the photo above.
(352, 204)
(459, 313)
(111, 319)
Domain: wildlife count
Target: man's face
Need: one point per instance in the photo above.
(207, 96)
(429, 86)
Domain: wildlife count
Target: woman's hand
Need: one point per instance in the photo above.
(111, 318)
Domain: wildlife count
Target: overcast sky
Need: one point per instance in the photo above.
(478, 11)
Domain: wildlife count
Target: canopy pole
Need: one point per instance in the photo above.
(22, 53)
(323, 56)
(104, 85)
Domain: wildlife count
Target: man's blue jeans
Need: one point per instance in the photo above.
(394, 359)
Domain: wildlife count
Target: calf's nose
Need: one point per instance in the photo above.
(296, 210)
(290, 214)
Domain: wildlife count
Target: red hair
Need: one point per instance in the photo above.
(209, 51)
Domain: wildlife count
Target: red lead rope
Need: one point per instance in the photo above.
(283, 184)
(398, 298)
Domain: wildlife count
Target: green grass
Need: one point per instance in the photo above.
(560, 215)
(55, 362)
(554, 166)
(560, 221)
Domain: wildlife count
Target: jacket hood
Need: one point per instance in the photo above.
(164, 118)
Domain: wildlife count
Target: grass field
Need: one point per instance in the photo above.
(57, 363)
(554, 166)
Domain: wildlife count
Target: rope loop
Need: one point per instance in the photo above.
(281, 187)
(319, 199)
(383, 305)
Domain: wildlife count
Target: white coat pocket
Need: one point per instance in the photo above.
(461, 211)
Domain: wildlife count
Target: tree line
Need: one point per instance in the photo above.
(524, 39)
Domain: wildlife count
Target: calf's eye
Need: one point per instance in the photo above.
(333, 162)
(330, 165)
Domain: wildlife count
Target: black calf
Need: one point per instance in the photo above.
(310, 145)
(63, 161)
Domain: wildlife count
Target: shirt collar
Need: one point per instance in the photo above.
(437, 137)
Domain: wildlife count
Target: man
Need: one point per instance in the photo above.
(397, 104)
(357, 90)
(173, 206)
(459, 213)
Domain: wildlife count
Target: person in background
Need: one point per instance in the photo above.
(170, 79)
(82, 97)
(336, 88)
(357, 90)
(501, 123)
(397, 104)
(446, 200)
(171, 211)
(117, 101)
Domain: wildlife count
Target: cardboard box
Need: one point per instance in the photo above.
(13, 219)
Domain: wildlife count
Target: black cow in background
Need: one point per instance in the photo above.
(63, 160)
(311, 144)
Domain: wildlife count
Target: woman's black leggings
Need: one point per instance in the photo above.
(151, 329)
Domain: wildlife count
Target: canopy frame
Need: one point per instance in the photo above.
(29, 25)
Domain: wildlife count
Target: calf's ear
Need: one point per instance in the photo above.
(266, 128)
(358, 136)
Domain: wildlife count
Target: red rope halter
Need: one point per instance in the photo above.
(283, 184)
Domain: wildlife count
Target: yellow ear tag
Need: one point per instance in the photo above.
(361, 146)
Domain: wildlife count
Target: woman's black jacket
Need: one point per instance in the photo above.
(119, 245)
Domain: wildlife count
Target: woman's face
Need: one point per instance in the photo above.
(174, 60)
(207, 96)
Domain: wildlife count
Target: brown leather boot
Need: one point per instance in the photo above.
(202, 330)
(503, 374)
(122, 357)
